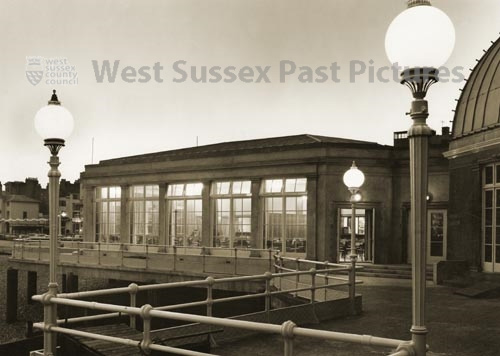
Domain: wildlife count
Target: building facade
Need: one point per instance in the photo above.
(71, 206)
(474, 155)
(284, 193)
(20, 214)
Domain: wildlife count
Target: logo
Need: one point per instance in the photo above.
(50, 71)
(34, 70)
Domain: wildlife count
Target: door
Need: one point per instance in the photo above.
(491, 230)
(364, 228)
(436, 235)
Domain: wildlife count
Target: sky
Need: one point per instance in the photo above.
(129, 117)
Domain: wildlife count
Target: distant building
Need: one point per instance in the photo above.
(283, 192)
(72, 206)
(20, 214)
(29, 193)
(30, 188)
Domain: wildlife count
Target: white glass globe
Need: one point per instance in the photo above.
(421, 36)
(54, 121)
(354, 178)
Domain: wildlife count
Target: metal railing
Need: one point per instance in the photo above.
(288, 330)
(215, 260)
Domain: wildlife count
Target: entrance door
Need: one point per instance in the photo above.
(491, 230)
(364, 223)
(436, 235)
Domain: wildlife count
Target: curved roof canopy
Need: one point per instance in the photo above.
(479, 106)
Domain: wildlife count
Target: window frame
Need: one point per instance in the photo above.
(107, 201)
(184, 198)
(283, 194)
(233, 197)
(149, 239)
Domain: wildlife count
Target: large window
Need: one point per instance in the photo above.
(491, 218)
(143, 209)
(233, 214)
(184, 214)
(285, 214)
(108, 204)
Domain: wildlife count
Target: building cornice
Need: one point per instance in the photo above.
(472, 148)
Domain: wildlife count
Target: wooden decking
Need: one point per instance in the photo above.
(99, 347)
(195, 337)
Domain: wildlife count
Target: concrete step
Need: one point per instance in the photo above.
(391, 271)
(383, 275)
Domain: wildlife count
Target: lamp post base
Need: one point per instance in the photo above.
(418, 337)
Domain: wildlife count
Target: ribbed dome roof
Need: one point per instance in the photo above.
(479, 106)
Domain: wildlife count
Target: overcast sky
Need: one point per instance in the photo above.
(132, 118)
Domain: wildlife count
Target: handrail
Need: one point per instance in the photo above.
(94, 254)
(288, 330)
(123, 246)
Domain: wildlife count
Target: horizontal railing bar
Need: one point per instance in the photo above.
(240, 324)
(119, 340)
(299, 273)
(200, 282)
(182, 305)
(346, 337)
(80, 319)
(74, 332)
(239, 297)
(309, 261)
(96, 305)
(177, 350)
(261, 327)
(94, 293)
(285, 291)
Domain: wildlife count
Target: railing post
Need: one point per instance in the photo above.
(210, 284)
(147, 255)
(235, 261)
(288, 336)
(313, 284)
(280, 268)
(297, 277)
(146, 329)
(203, 256)
(39, 250)
(98, 253)
(269, 277)
(175, 256)
(270, 259)
(133, 289)
(326, 279)
(352, 286)
(22, 250)
(49, 319)
(121, 258)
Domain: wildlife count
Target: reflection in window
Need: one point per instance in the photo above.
(437, 234)
(491, 217)
(233, 214)
(108, 207)
(143, 209)
(184, 214)
(285, 218)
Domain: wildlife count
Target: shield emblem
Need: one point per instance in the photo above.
(34, 76)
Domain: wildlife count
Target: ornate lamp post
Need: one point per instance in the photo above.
(54, 124)
(353, 179)
(421, 39)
